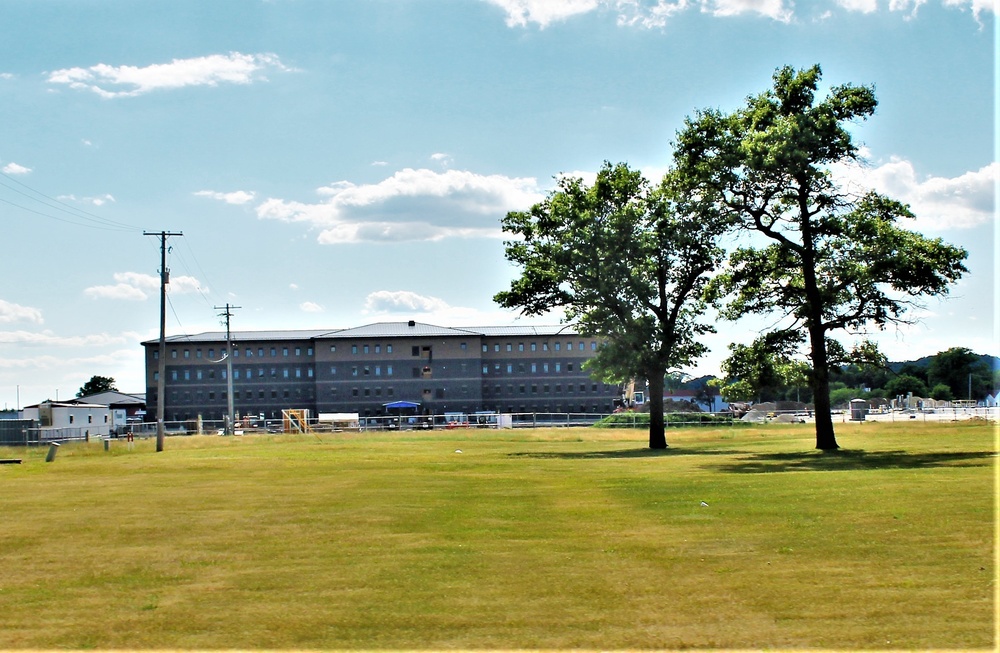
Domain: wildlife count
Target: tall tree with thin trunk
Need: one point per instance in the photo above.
(626, 263)
(824, 259)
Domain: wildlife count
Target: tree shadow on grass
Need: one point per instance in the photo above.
(624, 453)
(854, 460)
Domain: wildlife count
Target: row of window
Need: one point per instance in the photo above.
(248, 352)
(247, 372)
(533, 346)
(523, 368)
(186, 396)
(545, 388)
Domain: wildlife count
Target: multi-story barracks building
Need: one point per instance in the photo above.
(519, 369)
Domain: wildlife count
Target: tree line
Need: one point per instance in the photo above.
(749, 219)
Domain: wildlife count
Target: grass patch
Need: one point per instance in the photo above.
(560, 538)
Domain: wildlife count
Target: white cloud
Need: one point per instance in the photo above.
(542, 12)
(10, 312)
(410, 205)
(642, 13)
(6, 76)
(939, 203)
(443, 159)
(863, 6)
(15, 169)
(380, 163)
(238, 197)
(47, 338)
(129, 81)
(310, 307)
(293, 286)
(402, 301)
(136, 286)
(777, 9)
(656, 13)
(395, 303)
(100, 200)
(118, 291)
(977, 6)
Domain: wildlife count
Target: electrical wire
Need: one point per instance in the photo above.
(98, 222)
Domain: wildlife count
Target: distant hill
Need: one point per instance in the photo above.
(991, 361)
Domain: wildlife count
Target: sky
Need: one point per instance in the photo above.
(335, 164)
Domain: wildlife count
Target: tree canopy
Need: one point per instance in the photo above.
(628, 263)
(95, 385)
(822, 258)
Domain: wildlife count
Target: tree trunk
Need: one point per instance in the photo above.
(820, 382)
(657, 432)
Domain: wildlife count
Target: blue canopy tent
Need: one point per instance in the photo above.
(400, 405)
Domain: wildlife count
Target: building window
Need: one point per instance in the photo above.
(198, 375)
(354, 349)
(260, 372)
(298, 372)
(309, 351)
(187, 353)
(496, 347)
(486, 368)
(378, 370)
(333, 370)
(236, 374)
(388, 349)
(309, 372)
(569, 367)
(284, 351)
(284, 373)
(545, 367)
(187, 375)
(486, 348)
(298, 351)
(463, 346)
(545, 346)
(534, 368)
(274, 373)
(260, 352)
(354, 370)
(211, 352)
(273, 353)
(509, 348)
(415, 351)
(558, 367)
(368, 370)
(173, 353)
(333, 348)
(557, 346)
(520, 346)
(388, 370)
(534, 347)
(365, 348)
(378, 349)
(197, 353)
(249, 353)
(593, 345)
(510, 368)
(156, 354)
(156, 376)
(71, 417)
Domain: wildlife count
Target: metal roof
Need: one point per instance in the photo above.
(375, 330)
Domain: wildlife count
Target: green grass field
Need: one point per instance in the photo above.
(555, 539)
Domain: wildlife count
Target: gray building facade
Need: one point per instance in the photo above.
(520, 369)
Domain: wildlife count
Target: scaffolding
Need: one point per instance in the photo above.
(295, 420)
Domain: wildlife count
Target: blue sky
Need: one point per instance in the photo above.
(332, 164)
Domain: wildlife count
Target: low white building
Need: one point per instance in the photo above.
(70, 420)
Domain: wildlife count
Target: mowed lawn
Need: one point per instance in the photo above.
(549, 538)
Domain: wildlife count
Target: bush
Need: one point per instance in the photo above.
(641, 420)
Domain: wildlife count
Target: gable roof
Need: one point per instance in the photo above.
(111, 398)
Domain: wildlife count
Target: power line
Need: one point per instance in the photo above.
(58, 205)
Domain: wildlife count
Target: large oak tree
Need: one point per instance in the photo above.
(821, 257)
(626, 263)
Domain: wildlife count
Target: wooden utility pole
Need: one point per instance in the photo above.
(231, 415)
(161, 376)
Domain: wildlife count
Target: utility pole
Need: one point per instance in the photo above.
(230, 416)
(161, 376)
